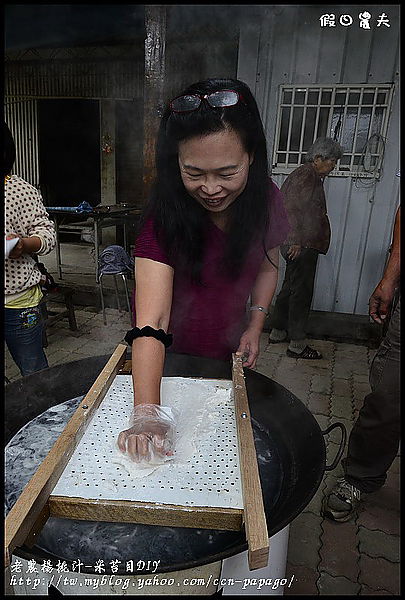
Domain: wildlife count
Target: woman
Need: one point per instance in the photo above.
(210, 240)
(305, 202)
(27, 221)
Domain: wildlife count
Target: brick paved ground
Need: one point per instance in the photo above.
(360, 557)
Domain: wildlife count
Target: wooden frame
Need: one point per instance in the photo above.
(147, 513)
(27, 514)
(36, 504)
(254, 515)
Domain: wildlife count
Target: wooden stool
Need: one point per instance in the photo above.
(65, 295)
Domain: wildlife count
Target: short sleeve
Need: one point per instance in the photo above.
(147, 244)
(279, 226)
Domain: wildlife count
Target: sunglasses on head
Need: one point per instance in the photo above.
(219, 99)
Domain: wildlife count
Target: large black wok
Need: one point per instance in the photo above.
(291, 456)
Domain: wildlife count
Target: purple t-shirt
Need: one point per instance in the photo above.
(208, 319)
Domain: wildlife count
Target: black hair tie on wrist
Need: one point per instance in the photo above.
(147, 331)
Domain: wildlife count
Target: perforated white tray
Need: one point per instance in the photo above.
(211, 475)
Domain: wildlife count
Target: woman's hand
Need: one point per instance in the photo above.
(249, 347)
(18, 249)
(151, 435)
(293, 251)
(25, 245)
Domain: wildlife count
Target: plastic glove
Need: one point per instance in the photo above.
(151, 435)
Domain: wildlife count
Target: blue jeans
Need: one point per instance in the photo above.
(23, 335)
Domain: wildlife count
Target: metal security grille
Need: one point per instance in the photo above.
(355, 116)
(21, 118)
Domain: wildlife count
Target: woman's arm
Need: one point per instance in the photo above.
(35, 222)
(262, 295)
(36, 230)
(153, 301)
(149, 432)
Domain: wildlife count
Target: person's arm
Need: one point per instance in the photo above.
(148, 433)
(39, 235)
(25, 245)
(262, 295)
(153, 301)
(381, 299)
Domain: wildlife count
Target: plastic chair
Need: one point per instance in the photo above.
(114, 260)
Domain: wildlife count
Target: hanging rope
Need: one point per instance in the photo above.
(374, 145)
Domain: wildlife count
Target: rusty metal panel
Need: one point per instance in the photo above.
(155, 67)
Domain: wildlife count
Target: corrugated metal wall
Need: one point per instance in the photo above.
(117, 79)
(288, 46)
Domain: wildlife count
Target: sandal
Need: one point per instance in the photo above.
(309, 353)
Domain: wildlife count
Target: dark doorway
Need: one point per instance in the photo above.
(69, 151)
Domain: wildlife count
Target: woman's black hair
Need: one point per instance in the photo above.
(180, 221)
(9, 151)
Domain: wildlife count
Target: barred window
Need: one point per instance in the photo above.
(356, 116)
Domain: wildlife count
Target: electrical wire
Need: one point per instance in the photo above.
(376, 170)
